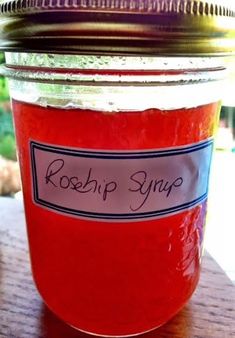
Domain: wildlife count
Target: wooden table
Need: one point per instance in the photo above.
(209, 314)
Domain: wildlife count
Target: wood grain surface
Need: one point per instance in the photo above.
(209, 314)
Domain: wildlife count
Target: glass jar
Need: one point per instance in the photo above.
(115, 156)
(115, 105)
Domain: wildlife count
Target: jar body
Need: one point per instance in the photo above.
(108, 272)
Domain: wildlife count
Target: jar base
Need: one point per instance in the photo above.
(115, 336)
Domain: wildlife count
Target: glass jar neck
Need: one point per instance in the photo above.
(114, 83)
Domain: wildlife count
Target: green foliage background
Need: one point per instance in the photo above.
(7, 137)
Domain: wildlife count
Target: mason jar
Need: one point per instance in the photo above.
(115, 116)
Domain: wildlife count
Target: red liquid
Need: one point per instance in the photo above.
(113, 278)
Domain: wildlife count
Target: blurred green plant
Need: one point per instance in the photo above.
(4, 94)
(7, 137)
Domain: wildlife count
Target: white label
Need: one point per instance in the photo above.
(119, 186)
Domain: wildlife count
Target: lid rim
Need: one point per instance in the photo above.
(171, 27)
(194, 7)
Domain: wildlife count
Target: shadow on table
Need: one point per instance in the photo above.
(178, 327)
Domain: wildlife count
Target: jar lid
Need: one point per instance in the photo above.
(120, 27)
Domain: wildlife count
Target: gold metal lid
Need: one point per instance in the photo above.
(120, 27)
